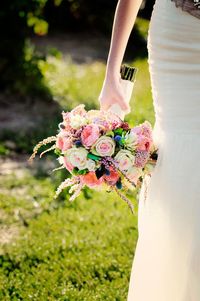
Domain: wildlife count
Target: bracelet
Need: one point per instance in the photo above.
(128, 73)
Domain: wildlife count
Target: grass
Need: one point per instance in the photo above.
(57, 250)
(72, 84)
(65, 251)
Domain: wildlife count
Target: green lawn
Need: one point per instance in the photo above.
(64, 251)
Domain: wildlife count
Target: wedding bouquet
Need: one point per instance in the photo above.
(99, 149)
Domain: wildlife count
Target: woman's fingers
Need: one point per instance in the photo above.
(114, 92)
(105, 104)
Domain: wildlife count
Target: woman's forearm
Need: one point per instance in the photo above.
(124, 19)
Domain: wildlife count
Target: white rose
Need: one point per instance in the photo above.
(77, 157)
(61, 160)
(133, 173)
(76, 121)
(91, 165)
(125, 159)
(131, 140)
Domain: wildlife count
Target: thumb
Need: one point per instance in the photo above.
(104, 104)
(124, 106)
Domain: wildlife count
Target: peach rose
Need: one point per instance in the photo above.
(91, 180)
(112, 178)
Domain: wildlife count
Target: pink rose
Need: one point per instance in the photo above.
(147, 129)
(144, 143)
(67, 164)
(63, 143)
(143, 129)
(91, 180)
(90, 134)
(104, 146)
(144, 136)
(79, 110)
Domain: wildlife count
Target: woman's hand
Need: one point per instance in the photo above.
(113, 92)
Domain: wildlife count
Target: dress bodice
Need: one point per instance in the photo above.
(190, 6)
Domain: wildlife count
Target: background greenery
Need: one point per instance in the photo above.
(54, 249)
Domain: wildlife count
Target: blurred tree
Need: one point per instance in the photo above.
(148, 7)
(76, 15)
(18, 62)
(19, 19)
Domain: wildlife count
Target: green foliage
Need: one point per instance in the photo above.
(71, 84)
(84, 14)
(65, 251)
(141, 101)
(19, 19)
(3, 150)
(16, 72)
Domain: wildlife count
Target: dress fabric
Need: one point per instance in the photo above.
(166, 264)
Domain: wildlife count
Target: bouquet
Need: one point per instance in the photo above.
(99, 149)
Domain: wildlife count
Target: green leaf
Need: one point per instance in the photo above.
(94, 157)
(57, 151)
(118, 131)
(75, 171)
(110, 133)
(121, 142)
(83, 171)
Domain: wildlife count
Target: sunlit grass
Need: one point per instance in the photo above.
(71, 84)
(65, 251)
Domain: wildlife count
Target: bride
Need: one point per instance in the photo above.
(166, 264)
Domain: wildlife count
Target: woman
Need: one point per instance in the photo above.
(166, 264)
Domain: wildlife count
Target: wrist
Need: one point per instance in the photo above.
(112, 74)
(113, 70)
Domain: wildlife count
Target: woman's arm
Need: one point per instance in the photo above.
(124, 19)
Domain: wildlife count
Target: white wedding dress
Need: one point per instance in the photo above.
(166, 264)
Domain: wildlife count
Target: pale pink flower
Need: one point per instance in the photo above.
(133, 174)
(141, 158)
(125, 159)
(144, 136)
(77, 121)
(89, 135)
(147, 129)
(63, 143)
(77, 157)
(66, 121)
(79, 110)
(104, 146)
(67, 164)
(143, 129)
